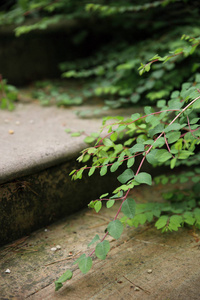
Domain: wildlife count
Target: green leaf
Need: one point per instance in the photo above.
(23, 4)
(115, 229)
(197, 170)
(183, 179)
(149, 216)
(161, 103)
(86, 158)
(118, 195)
(64, 277)
(155, 57)
(114, 136)
(137, 148)
(83, 256)
(102, 249)
(143, 177)
(164, 180)
(92, 203)
(197, 215)
(128, 208)
(74, 134)
(135, 116)
(95, 239)
(162, 155)
(92, 169)
(58, 285)
(138, 219)
(98, 206)
(158, 129)
(156, 212)
(174, 126)
(72, 172)
(85, 264)
(67, 130)
(89, 139)
(148, 110)
(194, 121)
(110, 203)
(130, 162)
(173, 136)
(107, 142)
(114, 167)
(162, 221)
(125, 176)
(103, 196)
(173, 162)
(159, 142)
(175, 222)
(147, 67)
(151, 157)
(80, 173)
(184, 154)
(188, 218)
(103, 170)
(195, 179)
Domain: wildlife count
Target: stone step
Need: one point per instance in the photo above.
(37, 156)
(143, 263)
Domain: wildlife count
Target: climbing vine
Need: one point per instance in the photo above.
(163, 135)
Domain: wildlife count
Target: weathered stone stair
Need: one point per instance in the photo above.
(36, 157)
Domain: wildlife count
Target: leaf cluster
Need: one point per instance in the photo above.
(8, 95)
(160, 137)
(180, 208)
(48, 93)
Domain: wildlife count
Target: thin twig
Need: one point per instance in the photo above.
(98, 225)
(147, 292)
(67, 258)
(98, 216)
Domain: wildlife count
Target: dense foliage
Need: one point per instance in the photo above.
(129, 33)
(168, 84)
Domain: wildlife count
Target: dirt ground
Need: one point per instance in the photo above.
(142, 264)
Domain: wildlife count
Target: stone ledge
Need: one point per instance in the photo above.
(36, 159)
(39, 139)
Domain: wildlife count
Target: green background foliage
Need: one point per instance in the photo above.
(125, 34)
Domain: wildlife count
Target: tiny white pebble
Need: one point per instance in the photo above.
(149, 271)
(58, 247)
(31, 121)
(136, 289)
(46, 230)
(53, 249)
(17, 122)
(7, 271)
